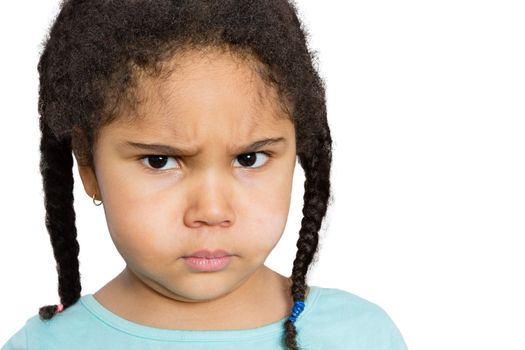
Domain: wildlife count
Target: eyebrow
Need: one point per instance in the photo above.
(166, 149)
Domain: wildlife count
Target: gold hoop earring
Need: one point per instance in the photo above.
(95, 202)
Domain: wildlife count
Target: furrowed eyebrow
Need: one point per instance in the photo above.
(261, 143)
(166, 149)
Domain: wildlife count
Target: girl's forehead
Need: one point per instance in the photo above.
(195, 127)
(206, 89)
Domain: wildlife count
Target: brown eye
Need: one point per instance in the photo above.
(158, 162)
(249, 159)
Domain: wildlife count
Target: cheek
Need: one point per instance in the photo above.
(266, 212)
(136, 228)
(136, 214)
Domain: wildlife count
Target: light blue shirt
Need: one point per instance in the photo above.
(332, 319)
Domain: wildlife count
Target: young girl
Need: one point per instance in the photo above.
(186, 118)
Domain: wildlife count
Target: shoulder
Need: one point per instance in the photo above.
(49, 334)
(337, 304)
(352, 319)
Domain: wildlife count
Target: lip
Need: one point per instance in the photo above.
(218, 253)
(207, 264)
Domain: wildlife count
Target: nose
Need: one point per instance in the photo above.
(210, 201)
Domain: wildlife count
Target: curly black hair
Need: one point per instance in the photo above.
(91, 61)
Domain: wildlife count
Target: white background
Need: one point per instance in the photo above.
(426, 102)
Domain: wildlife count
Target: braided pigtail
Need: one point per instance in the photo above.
(56, 168)
(317, 192)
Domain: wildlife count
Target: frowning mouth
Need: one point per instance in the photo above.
(204, 264)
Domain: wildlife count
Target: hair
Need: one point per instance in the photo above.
(92, 59)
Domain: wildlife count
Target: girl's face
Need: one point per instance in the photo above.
(210, 190)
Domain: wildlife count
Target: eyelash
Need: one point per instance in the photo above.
(156, 171)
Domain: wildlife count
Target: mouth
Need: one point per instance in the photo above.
(204, 264)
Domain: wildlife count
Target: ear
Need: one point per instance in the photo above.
(86, 172)
(89, 180)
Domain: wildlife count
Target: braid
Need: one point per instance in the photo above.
(56, 167)
(316, 195)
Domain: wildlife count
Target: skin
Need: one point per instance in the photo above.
(209, 198)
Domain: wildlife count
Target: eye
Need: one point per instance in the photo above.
(157, 162)
(249, 159)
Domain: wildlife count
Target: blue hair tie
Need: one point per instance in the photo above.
(298, 307)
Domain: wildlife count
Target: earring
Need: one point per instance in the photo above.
(95, 202)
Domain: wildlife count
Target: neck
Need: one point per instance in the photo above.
(262, 299)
